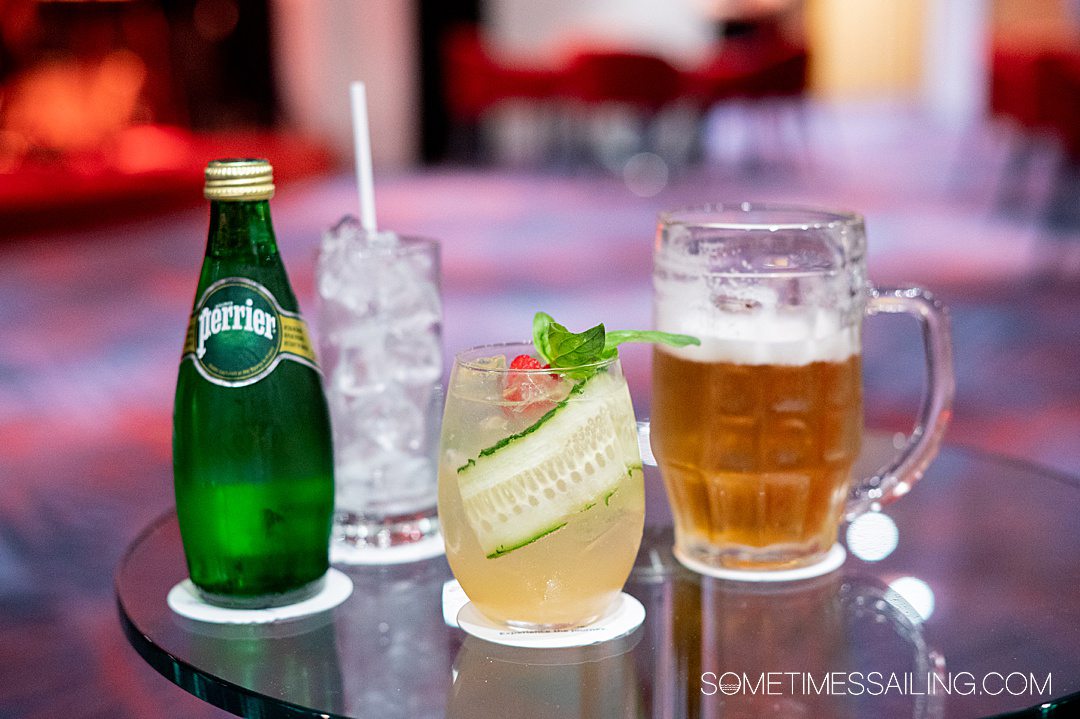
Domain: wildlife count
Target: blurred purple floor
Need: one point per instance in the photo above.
(95, 320)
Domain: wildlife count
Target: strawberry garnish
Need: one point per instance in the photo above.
(531, 392)
(527, 362)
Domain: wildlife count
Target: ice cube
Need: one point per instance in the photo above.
(349, 232)
(531, 395)
(421, 263)
(478, 382)
(415, 356)
(405, 294)
(354, 374)
(346, 281)
(495, 362)
(348, 271)
(534, 387)
(386, 483)
(494, 425)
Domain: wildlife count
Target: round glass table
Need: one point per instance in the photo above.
(959, 600)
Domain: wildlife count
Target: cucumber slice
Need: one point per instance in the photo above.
(571, 459)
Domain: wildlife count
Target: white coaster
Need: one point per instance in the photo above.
(453, 599)
(623, 619)
(833, 560)
(341, 552)
(185, 601)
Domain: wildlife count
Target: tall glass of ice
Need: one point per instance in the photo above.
(380, 319)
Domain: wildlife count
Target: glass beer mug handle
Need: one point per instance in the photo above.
(897, 478)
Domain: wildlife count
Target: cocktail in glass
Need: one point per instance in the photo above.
(541, 497)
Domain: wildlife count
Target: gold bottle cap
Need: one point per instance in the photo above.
(238, 180)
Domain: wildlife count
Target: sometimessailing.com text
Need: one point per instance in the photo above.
(875, 684)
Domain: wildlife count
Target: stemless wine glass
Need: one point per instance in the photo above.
(756, 430)
(541, 494)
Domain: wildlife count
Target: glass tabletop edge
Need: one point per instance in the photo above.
(208, 687)
(1070, 704)
(1020, 463)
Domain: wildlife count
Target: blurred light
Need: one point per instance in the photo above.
(872, 536)
(644, 438)
(13, 146)
(62, 105)
(215, 19)
(144, 148)
(645, 174)
(917, 594)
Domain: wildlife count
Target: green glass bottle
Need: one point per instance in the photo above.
(252, 457)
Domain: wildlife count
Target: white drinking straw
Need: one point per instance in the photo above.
(362, 145)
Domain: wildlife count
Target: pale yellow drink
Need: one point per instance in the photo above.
(541, 497)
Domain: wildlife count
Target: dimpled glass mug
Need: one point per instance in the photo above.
(756, 430)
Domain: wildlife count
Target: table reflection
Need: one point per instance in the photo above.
(599, 681)
(300, 654)
(401, 671)
(838, 645)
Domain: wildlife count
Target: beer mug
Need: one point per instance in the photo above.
(755, 431)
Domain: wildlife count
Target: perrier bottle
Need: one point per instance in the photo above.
(252, 456)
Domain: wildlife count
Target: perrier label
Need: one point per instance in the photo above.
(239, 333)
(252, 455)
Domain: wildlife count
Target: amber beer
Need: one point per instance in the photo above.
(756, 457)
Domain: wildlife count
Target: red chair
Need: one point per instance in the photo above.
(1015, 72)
(475, 81)
(598, 79)
(1058, 86)
(760, 80)
(749, 69)
(1030, 88)
(646, 82)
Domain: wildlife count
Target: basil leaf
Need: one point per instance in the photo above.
(618, 337)
(561, 348)
(569, 349)
(542, 323)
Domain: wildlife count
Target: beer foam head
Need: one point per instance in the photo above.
(791, 336)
